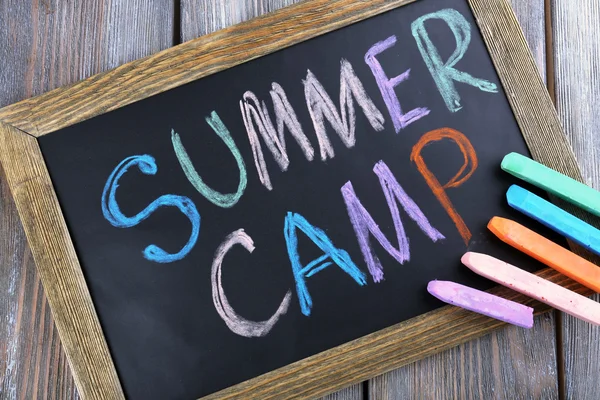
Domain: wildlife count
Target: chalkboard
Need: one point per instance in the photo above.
(288, 205)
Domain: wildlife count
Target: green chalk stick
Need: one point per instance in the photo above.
(552, 181)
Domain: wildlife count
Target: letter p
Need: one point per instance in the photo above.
(439, 190)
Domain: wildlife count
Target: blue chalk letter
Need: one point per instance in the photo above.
(113, 214)
(332, 253)
(444, 74)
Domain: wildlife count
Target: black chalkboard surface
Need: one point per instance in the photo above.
(334, 237)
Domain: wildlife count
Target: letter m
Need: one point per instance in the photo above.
(343, 121)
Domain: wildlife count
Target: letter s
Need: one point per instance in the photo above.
(113, 214)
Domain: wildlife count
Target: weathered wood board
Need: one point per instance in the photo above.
(45, 45)
(576, 48)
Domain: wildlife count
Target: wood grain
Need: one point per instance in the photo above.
(49, 44)
(576, 48)
(44, 45)
(530, 15)
(32, 362)
(58, 266)
(383, 351)
(511, 363)
(187, 62)
(374, 354)
(201, 17)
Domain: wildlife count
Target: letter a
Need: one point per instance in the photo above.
(331, 255)
(444, 74)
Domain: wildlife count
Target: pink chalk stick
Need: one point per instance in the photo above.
(482, 303)
(540, 289)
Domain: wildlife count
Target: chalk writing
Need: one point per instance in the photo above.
(364, 224)
(338, 256)
(113, 214)
(274, 139)
(444, 74)
(387, 85)
(268, 129)
(470, 161)
(322, 108)
(222, 200)
(235, 322)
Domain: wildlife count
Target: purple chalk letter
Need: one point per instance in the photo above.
(364, 224)
(387, 85)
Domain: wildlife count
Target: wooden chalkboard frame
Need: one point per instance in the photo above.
(57, 262)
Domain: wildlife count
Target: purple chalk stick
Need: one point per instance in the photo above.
(482, 303)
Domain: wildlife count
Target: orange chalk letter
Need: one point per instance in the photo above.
(465, 172)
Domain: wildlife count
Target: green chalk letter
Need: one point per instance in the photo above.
(222, 200)
(444, 74)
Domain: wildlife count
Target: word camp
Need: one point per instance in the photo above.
(322, 109)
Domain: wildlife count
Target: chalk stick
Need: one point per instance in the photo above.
(552, 181)
(540, 289)
(482, 303)
(546, 251)
(554, 217)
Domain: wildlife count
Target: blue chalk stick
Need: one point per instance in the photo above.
(552, 181)
(554, 217)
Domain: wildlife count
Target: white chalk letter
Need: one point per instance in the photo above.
(235, 322)
(253, 110)
(321, 108)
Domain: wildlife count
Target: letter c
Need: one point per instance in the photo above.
(235, 322)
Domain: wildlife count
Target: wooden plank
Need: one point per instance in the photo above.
(530, 15)
(576, 46)
(508, 364)
(441, 329)
(511, 363)
(44, 45)
(54, 255)
(187, 62)
(201, 17)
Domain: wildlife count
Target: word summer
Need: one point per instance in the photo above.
(259, 125)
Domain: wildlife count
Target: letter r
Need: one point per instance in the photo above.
(444, 74)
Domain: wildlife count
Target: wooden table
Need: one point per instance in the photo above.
(49, 43)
